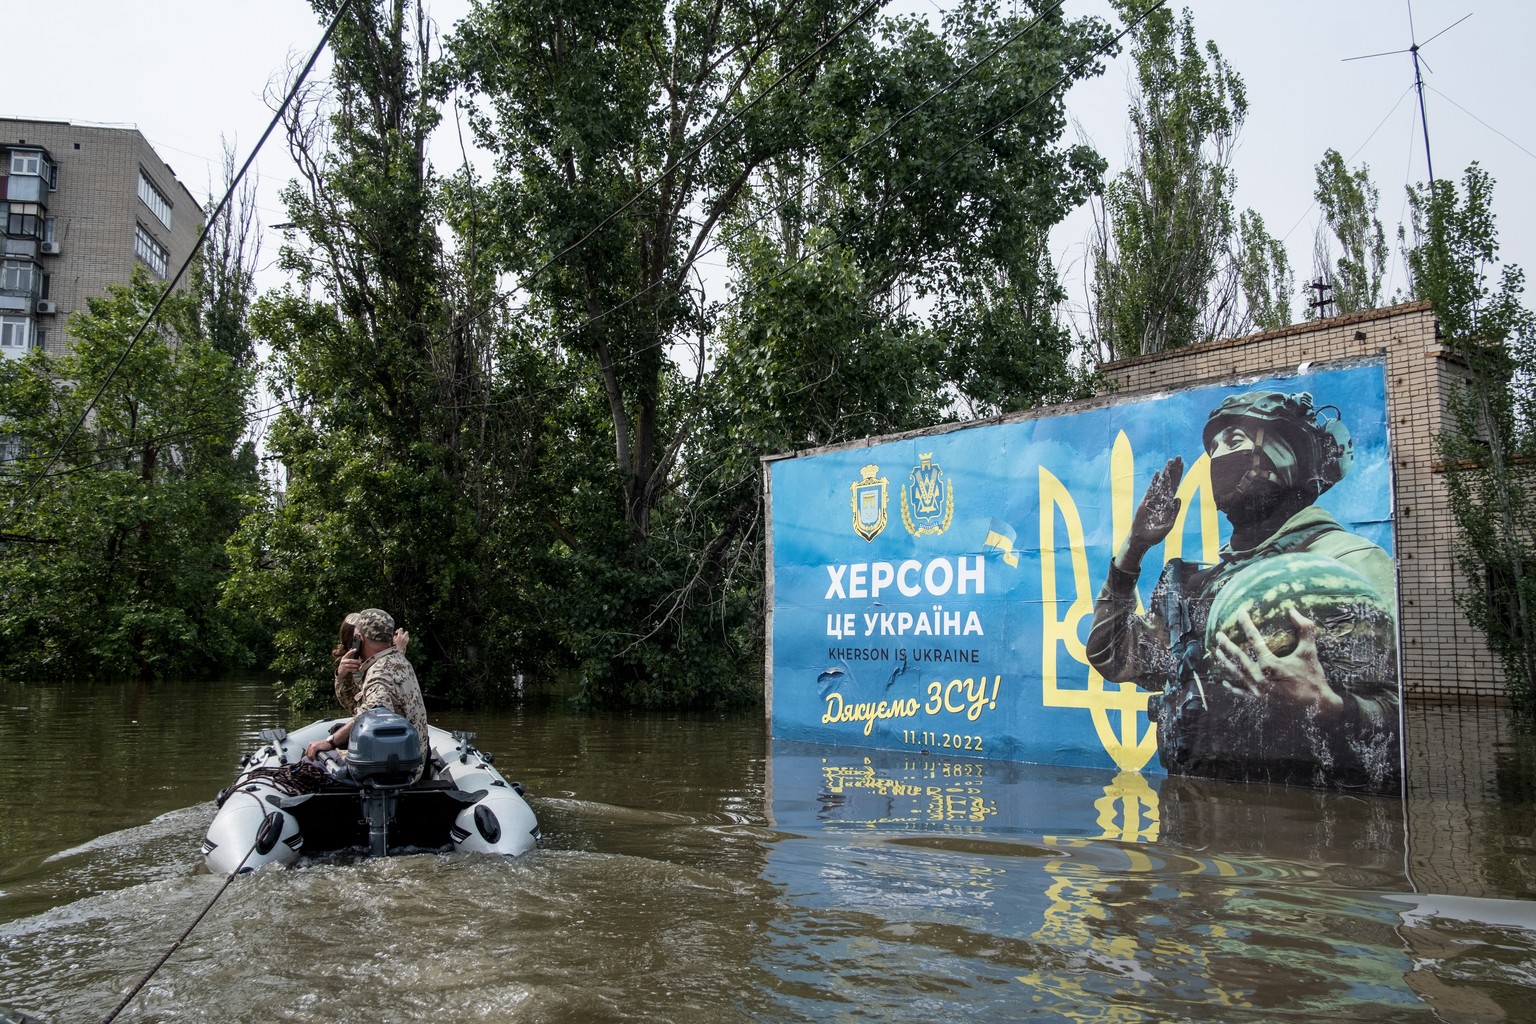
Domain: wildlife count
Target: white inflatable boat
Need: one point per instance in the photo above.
(281, 806)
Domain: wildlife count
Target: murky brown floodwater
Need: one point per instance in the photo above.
(693, 872)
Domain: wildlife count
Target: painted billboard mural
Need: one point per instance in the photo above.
(1198, 583)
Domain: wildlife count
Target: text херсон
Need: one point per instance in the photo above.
(910, 577)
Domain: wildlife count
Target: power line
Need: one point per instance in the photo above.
(952, 155)
(208, 226)
(948, 86)
(953, 83)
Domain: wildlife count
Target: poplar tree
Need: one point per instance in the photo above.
(1348, 200)
(1171, 262)
(1489, 446)
(404, 438)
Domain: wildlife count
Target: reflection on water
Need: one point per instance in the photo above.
(1105, 894)
(694, 871)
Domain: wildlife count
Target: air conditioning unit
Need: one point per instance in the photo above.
(51, 248)
(46, 306)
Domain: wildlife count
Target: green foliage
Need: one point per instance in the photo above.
(1264, 269)
(934, 161)
(411, 428)
(1489, 446)
(630, 142)
(1349, 200)
(1171, 265)
(113, 555)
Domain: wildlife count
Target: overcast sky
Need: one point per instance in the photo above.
(188, 72)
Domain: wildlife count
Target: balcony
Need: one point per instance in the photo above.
(21, 286)
(27, 188)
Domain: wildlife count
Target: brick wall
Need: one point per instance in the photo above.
(1442, 656)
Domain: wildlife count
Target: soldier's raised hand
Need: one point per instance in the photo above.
(1159, 507)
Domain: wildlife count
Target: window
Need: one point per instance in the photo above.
(154, 199)
(24, 161)
(150, 251)
(24, 220)
(15, 336)
(18, 276)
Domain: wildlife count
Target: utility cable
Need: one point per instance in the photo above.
(948, 86)
(109, 1018)
(848, 26)
(951, 84)
(208, 226)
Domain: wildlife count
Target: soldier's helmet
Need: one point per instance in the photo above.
(1321, 447)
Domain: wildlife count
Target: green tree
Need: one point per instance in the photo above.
(623, 134)
(1264, 273)
(407, 433)
(1349, 201)
(1169, 264)
(226, 270)
(631, 143)
(113, 558)
(934, 163)
(1489, 446)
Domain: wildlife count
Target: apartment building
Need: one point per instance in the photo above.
(84, 205)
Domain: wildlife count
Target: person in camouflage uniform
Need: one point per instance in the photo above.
(1229, 704)
(349, 678)
(382, 677)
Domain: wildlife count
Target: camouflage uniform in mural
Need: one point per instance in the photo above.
(1288, 563)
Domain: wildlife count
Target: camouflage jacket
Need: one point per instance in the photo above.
(389, 681)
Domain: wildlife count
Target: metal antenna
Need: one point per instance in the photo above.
(1418, 79)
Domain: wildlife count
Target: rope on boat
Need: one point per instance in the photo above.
(292, 779)
(177, 944)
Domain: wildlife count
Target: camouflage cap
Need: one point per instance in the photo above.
(374, 624)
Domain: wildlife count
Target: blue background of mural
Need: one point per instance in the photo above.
(986, 693)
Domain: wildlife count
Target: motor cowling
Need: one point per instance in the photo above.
(384, 750)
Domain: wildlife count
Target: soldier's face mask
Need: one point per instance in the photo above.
(1244, 485)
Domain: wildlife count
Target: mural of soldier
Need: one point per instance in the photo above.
(1279, 662)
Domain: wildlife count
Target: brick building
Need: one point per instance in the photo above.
(84, 206)
(1442, 656)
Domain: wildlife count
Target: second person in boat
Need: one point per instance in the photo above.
(376, 674)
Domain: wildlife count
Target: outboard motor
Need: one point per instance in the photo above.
(383, 757)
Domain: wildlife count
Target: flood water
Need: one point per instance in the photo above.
(694, 871)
